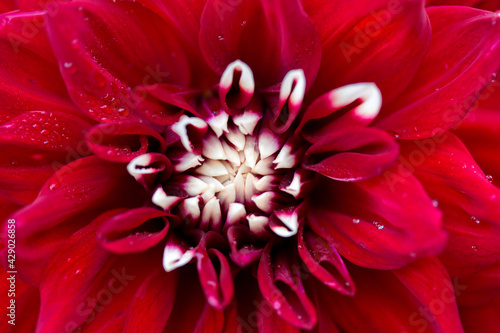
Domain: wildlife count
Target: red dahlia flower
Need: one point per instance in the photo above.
(240, 166)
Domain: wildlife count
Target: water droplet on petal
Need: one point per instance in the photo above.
(435, 203)
(220, 37)
(475, 219)
(489, 178)
(355, 221)
(474, 247)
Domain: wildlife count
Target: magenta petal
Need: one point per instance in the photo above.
(377, 223)
(281, 285)
(452, 75)
(352, 155)
(123, 141)
(217, 284)
(154, 299)
(278, 31)
(481, 318)
(135, 230)
(324, 262)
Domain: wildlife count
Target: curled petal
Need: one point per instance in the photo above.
(324, 262)
(123, 141)
(281, 285)
(291, 96)
(352, 105)
(352, 156)
(191, 131)
(236, 87)
(244, 248)
(150, 169)
(133, 231)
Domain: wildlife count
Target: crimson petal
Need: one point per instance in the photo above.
(369, 42)
(377, 223)
(217, 283)
(396, 301)
(154, 299)
(452, 75)
(83, 283)
(29, 77)
(134, 230)
(278, 31)
(101, 85)
(471, 204)
(35, 145)
(280, 282)
(123, 141)
(77, 193)
(352, 156)
(324, 262)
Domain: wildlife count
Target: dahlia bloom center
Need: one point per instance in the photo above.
(233, 162)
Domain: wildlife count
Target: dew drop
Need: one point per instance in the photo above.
(44, 132)
(475, 219)
(68, 64)
(489, 178)
(78, 271)
(123, 111)
(355, 221)
(244, 23)
(362, 245)
(435, 203)
(474, 247)
(379, 225)
(220, 37)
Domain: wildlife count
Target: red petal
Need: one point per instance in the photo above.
(352, 155)
(377, 223)
(370, 42)
(217, 283)
(123, 141)
(480, 132)
(278, 31)
(154, 299)
(99, 84)
(418, 298)
(353, 105)
(84, 283)
(453, 74)
(134, 230)
(478, 288)
(324, 262)
(26, 304)
(35, 145)
(244, 248)
(483, 318)
(75, 195)
(29, 77)
(471, 204)
(280, 282)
